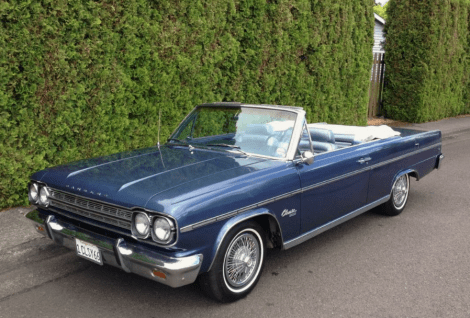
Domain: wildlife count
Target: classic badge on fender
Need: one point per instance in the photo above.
(289, 212)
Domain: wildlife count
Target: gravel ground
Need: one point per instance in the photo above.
(377, 121)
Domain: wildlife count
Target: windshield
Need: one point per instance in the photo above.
(251, 130)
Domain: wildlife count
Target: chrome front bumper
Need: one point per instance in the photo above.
(131, 257)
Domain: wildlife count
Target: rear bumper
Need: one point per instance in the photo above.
(440, 158)
(129, 256)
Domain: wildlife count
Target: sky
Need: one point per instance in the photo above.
(382, 2)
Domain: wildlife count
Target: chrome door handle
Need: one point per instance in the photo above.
(362, 160)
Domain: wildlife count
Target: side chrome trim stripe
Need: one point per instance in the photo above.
(238, 211)
(334, 223)
(405, 156)
(350, 174)
(344, 176)
(193, 226)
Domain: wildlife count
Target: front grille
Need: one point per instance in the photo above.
(91, 209)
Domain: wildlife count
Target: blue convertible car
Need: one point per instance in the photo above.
(232, 181)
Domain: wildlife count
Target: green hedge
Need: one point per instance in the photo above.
(81, 78)
(427, 54)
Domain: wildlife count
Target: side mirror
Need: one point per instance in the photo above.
(307, 157)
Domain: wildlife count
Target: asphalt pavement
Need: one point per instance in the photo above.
(413, 265)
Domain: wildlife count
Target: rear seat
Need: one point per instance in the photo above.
(323, 140)
(345, 140)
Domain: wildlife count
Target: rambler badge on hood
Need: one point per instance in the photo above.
(86, 191)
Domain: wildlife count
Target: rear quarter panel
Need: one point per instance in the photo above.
(414, 151)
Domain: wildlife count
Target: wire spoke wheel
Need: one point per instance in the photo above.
(238, 264)
(242, 260)
(398, 196)
(400, 191)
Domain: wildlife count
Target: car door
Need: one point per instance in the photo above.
(390, 157)
(335, 185)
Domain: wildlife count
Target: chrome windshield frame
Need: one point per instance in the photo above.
(296, 132)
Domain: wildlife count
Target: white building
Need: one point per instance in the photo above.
(378, 68)
(379, 36)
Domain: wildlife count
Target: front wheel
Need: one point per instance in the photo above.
(238, 264)
(398, 197)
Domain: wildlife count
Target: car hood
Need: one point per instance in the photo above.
(131, 179)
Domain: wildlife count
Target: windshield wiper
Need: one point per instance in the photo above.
(174, 139)
(229, 146)
(181, 143)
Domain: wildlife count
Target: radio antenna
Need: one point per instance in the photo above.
(158, 142)
(159, 120)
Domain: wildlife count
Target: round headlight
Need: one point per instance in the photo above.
(33, 192)
(162, 229)
(44, 196)
(142, 224)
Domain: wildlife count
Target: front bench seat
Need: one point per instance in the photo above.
(258, 136)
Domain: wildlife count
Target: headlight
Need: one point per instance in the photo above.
(44, 196)
(162, 230)
(33, 193)
(141, 224)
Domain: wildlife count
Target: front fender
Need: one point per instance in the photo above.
(229, 224)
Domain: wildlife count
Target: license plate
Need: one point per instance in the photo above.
(88, 251)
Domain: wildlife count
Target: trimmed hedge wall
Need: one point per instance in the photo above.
(81, 78)
(427, 54)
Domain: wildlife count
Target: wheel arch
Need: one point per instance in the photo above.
(263, 217)
(411, 172)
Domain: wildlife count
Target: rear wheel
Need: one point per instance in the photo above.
(399, 196)
(238, 264)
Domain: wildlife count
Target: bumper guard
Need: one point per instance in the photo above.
(440, 158)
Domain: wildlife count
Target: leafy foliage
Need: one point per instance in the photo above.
(427, 57)
(381, 10)
(80, 79)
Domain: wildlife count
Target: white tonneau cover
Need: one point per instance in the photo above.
(361, 134)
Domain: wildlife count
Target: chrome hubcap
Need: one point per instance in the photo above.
(400, 191)
(242, 260)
